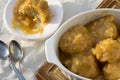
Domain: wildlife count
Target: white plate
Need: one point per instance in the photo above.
(55, 9)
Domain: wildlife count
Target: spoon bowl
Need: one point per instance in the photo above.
(4, 53)
(16, 52)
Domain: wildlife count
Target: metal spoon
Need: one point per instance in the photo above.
(16, 52)
(4, 54)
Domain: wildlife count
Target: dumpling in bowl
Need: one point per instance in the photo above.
(107, 50)
(103, 28)
(85, 65)
(75, 40)
(112, 71)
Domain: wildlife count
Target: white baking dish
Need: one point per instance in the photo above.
(51, 45)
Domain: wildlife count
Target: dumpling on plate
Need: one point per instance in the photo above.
(31, 16)
(38, 9)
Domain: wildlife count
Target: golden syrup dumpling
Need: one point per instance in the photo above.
(112, 71)
(75, 40)
(38, 9)
(85, 65)
(107, 50)
(31, 16)
(103, 28)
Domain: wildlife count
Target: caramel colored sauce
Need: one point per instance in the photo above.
(26, 23)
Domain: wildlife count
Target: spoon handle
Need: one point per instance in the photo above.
(18, 73)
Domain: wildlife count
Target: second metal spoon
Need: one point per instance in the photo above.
(15, 50)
